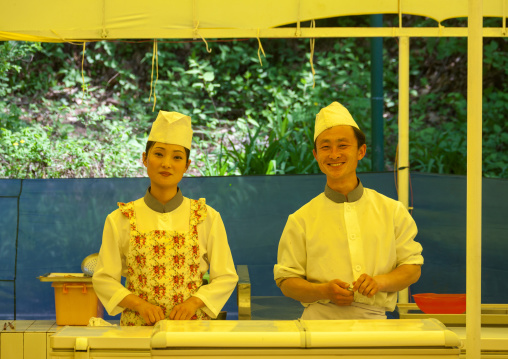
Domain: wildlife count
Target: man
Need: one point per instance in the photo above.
(347, 252)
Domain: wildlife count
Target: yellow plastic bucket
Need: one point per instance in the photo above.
(76, 303)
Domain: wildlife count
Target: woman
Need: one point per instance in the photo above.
(164, 242)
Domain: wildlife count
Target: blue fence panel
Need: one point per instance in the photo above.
(61, 222)
(9, 192)
(7, 300)
(8, 227)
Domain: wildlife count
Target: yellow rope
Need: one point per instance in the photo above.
(400, 13)
(83, 86)
(201, 36)
(62, 39)
(82, 69)
(104, 31)
(151, 80)
(260, 48)
(312, 44)
(157, 78)
(155, 59)
(298, 31)
(396, 168)
(504, 17)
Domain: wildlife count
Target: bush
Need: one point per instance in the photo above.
(38, 152)
(247, 118)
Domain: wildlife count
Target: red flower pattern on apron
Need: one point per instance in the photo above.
(163, 266)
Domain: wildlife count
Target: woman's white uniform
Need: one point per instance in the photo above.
(163, 251)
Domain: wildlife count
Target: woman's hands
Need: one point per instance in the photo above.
(152, 313)
(149, 312)
(187, 309)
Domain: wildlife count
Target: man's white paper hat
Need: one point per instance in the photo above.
(333, 115)
(172, 128)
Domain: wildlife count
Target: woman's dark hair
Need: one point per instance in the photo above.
(150, 144)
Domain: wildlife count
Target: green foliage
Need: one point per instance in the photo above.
(248, 118)
(215, 165)
(13, 57)
(12, 53)
(495, 134)
(39, 152)
(438, 108)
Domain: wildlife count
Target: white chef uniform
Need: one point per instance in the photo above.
(215, 254)
(332, 237)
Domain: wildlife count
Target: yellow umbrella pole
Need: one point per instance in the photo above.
(474, 178)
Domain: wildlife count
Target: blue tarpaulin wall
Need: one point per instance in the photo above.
(52, 225)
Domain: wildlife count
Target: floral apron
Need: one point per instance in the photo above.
(163, 266)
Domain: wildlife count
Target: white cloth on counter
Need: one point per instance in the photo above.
(326, 240)
(215, 254)
(99, 322)
(331, 311)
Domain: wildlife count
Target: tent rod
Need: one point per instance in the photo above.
(376, 98)
(403, 148)
(287, 33)
(474, 179)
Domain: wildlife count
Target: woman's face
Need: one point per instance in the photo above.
(165, 164)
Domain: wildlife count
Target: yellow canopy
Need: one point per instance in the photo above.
(67, 20)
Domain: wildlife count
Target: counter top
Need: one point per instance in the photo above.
(263, 334)
(305, 334)
(23, 326)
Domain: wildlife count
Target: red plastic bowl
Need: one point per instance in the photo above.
(432, 303)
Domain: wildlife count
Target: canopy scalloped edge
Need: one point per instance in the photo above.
(33, 20)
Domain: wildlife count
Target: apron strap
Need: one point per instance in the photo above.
(198, 213)
(127, 210)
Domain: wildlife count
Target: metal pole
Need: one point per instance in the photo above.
(403, 155)
(474, 178)
(376, 89)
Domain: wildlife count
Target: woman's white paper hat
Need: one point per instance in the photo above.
(172, 128)
(333, 115)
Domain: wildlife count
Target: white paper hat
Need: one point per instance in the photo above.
(333, 115)
(172, 128)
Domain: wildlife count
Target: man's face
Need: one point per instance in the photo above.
(337, 154)
(165, 164)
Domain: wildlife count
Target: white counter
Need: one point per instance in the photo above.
(426, 338)
(25, 339)
(494, 340)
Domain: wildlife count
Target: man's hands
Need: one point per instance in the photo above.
(366, 285)
(398, 279)
(337, 292)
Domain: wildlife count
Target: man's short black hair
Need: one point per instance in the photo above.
(360, 137)
(150, 144)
